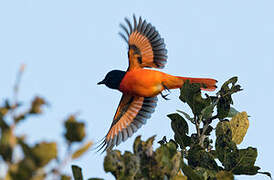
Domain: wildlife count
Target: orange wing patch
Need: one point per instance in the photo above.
(131, 114)
(146, 47)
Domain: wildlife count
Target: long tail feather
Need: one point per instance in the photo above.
(207, 83)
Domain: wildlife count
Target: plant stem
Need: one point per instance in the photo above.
(15, 92)
(197, 124)
(205, 126)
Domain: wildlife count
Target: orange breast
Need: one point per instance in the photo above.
(142, 82)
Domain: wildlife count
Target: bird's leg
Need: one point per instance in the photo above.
(165, 96)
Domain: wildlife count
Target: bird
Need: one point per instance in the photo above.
(140, 84)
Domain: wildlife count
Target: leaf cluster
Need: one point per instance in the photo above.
(196, 155)
(144, 163)
(33, 162)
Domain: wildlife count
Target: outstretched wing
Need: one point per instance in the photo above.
(146, 47)
(131, 114)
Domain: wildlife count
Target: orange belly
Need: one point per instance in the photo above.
(142, 82)
(147, 82)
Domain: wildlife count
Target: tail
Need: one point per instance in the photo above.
(207, 84)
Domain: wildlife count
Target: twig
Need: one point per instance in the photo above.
(15, 92)
(17, 84)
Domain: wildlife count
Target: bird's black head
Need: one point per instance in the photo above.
(113, 79)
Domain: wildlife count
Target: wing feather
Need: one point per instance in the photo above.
(130, 115)
(146, 47)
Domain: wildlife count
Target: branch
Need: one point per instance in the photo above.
(197, 124)
(15, 92)
(206, 124)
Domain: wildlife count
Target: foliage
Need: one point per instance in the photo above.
(36, 158)
(41, 160)
(195, 156)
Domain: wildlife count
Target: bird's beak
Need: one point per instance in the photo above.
(101, 82)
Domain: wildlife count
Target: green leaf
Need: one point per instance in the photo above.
(187, 116)
(189, 172)
(178, 123)
(142, 147)
(266, 173)
(19, 117)
(168, 159)
(238, 161)
(22, 170)
(233, 89)
(44, 152)
(75, 131)
(180, 129)
(244, 162)
(225, 99)
(223, 128)
(121, 166)
(224, 144)
(208, 110)
(113, 163)
(36, 105)
(198, 157)
(137, 145)
(232, 112)
(77, 172)
(223, 106)
(78, 153)
(132, 164)
(191, 94)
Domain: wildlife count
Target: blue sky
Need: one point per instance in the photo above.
(68, 46)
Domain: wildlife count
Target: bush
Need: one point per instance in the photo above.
(193, 156)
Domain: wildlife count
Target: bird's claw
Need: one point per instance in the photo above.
(166, 88)
(164, 96)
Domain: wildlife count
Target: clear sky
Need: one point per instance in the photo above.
(68, 46)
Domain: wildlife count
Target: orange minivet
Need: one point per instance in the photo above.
(141, 86)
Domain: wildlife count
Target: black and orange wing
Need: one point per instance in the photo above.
(146, 47)
(130, 115)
